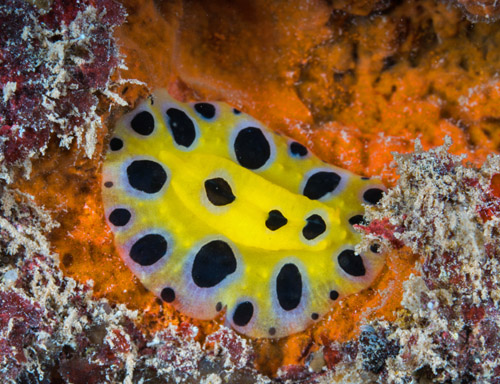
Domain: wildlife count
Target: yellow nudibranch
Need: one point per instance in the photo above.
(211, 210)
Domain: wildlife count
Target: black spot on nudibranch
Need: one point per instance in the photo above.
(116, 144)
(206, 110)
(314, 316)
(182, 127)
(251, 148)
(219, 191)
(148, 249)
(297, 149)
(236, 111)
(243, 314)
(167, 294)
(357, 220)
(143, 123)
(119, 217)
(213, 262)
(373, 195)
(108, 184)
(334, 295)
(351, 263)
(315, 226)
(272, 331)
(218, 306)
(320, 184)
(275, 220)
(289, 287)
(146, 176)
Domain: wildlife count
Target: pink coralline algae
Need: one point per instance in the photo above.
(53, 66)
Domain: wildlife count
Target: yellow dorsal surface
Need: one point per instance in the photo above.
(212, 210)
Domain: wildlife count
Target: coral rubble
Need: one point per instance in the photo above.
(447, 328)
(54, 65)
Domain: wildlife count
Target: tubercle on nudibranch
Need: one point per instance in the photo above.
(210, 209)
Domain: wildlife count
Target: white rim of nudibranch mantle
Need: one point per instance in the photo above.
(297, 318)
(140, 194)
(209, 292)
(344, 177)
(143, 272)
(165, 105)
(248, 122)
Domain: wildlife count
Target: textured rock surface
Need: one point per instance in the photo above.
(55, 64)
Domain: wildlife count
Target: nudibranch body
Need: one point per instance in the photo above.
(211, 210)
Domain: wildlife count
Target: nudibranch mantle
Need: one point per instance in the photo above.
(212, 210)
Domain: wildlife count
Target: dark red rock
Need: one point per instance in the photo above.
(80, 371)
(120, 342)
(472, 313)
(296, 373)
(27, 121)
(20, 321)
(432, 271)
(233, 346)
(332, 356)
(490, 205)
